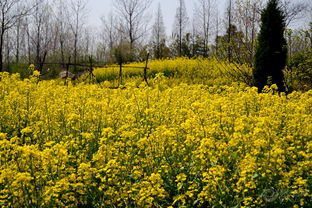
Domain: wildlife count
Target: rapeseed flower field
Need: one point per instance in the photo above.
(208, 71)
(189, 145)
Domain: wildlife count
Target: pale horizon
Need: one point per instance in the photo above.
(100, 8)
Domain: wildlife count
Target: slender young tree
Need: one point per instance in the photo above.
(41, 32)
(133, 18)
(19, 41)
(158, 38)
(78, 15)
(204, 16)
(248, 19)
(11, 11)
(217, 35)
(109, 35)
(180, 25)
(62, 27)
(229, 25)
(271, 52)
(294, 10)
(18, 36)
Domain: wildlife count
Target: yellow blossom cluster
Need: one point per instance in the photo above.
(182, 146)
(208, 71)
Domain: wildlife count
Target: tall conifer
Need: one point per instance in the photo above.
(271, 51)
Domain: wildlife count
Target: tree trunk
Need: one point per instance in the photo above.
(217, 35)
(75, 52)
(43, 60)
(17, 41)
(28, 42)
(62, 53)
(37, 61)
(7, 53)
(1, 50)
(145, 69)
(253, 34)
(230, 30)
(120, 73)
(180, 30)
(1, 45)
(131, 37)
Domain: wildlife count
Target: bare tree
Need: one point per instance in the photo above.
(204, 16)
(27, 29)
(18, 29)
(217, 20)
(10, 13)
(158, 37)
(229, 26)
(20, 39)
(8, 49)
(109, 35)
(180, 25)
(77, 14)
(198, 45)
(89, 42)
(41, 32)
(309, 14)
(247, 14)
(293, 10)
(133, 18)
(62, 29)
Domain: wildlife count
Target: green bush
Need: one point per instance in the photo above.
(21, 68)
(299, 71)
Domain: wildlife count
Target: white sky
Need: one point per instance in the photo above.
(99, 8)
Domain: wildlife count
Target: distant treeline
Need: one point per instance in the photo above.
(41, 31)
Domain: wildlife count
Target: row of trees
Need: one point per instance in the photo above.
(41, 31)
(37, 31)
(230, 36)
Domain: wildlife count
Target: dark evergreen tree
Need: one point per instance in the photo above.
(271, 51)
